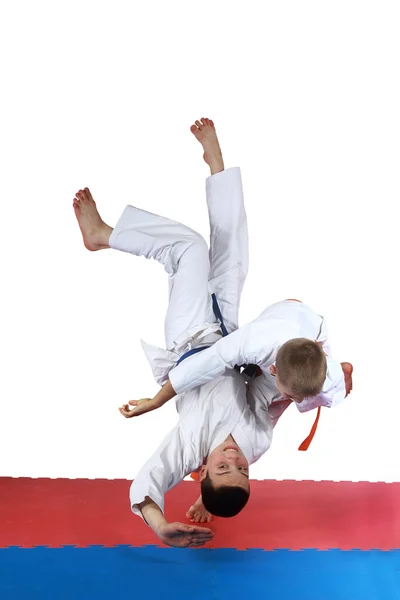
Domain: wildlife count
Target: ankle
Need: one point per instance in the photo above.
(217, 164)
(104, 235)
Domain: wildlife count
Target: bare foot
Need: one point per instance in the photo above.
(94, 231)
(205, 132)
(348, 376)
(197, 513)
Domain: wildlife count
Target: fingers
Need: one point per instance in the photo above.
(201, 531)
(194, 544)
(196, 541)
(140, 407)
(126, 412)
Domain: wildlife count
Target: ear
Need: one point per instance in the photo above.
(202, 473)
(272, 370)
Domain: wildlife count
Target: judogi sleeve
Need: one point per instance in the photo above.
(254, 343)
(162, 472)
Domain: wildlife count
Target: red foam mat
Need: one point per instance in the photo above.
(280, 514)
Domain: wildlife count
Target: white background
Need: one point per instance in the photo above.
(305, 97)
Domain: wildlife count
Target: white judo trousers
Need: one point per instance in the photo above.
(194, 270)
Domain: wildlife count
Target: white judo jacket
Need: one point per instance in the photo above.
(255, 343)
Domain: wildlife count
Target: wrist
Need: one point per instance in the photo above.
(166, 393)
(152, 514)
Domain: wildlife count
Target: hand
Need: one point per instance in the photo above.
(181, 535)
(139, 407)
(147, 404)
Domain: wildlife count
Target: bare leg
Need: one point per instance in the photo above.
(95, 232)
(205, 132)
(197, 513)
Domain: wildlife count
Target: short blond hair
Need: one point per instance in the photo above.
(301, 367)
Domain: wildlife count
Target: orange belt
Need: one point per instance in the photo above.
(305, 445)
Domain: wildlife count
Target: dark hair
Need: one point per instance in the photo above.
(224, 501)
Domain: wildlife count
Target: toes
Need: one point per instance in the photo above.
(89, 194)
(193, 129)
(199, 125)
(211, 123)
(84, 195)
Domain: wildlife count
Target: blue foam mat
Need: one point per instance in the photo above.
(151, 573)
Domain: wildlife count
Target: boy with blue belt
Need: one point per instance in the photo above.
(223, 425)
(288, 343)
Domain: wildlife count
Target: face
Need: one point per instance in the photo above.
(227, 466)
(284, 392)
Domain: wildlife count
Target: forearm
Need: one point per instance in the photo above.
(215, 361)
(152, 514)
(159, 474)
(166, 393)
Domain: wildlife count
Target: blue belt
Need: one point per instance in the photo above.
(250, 370)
